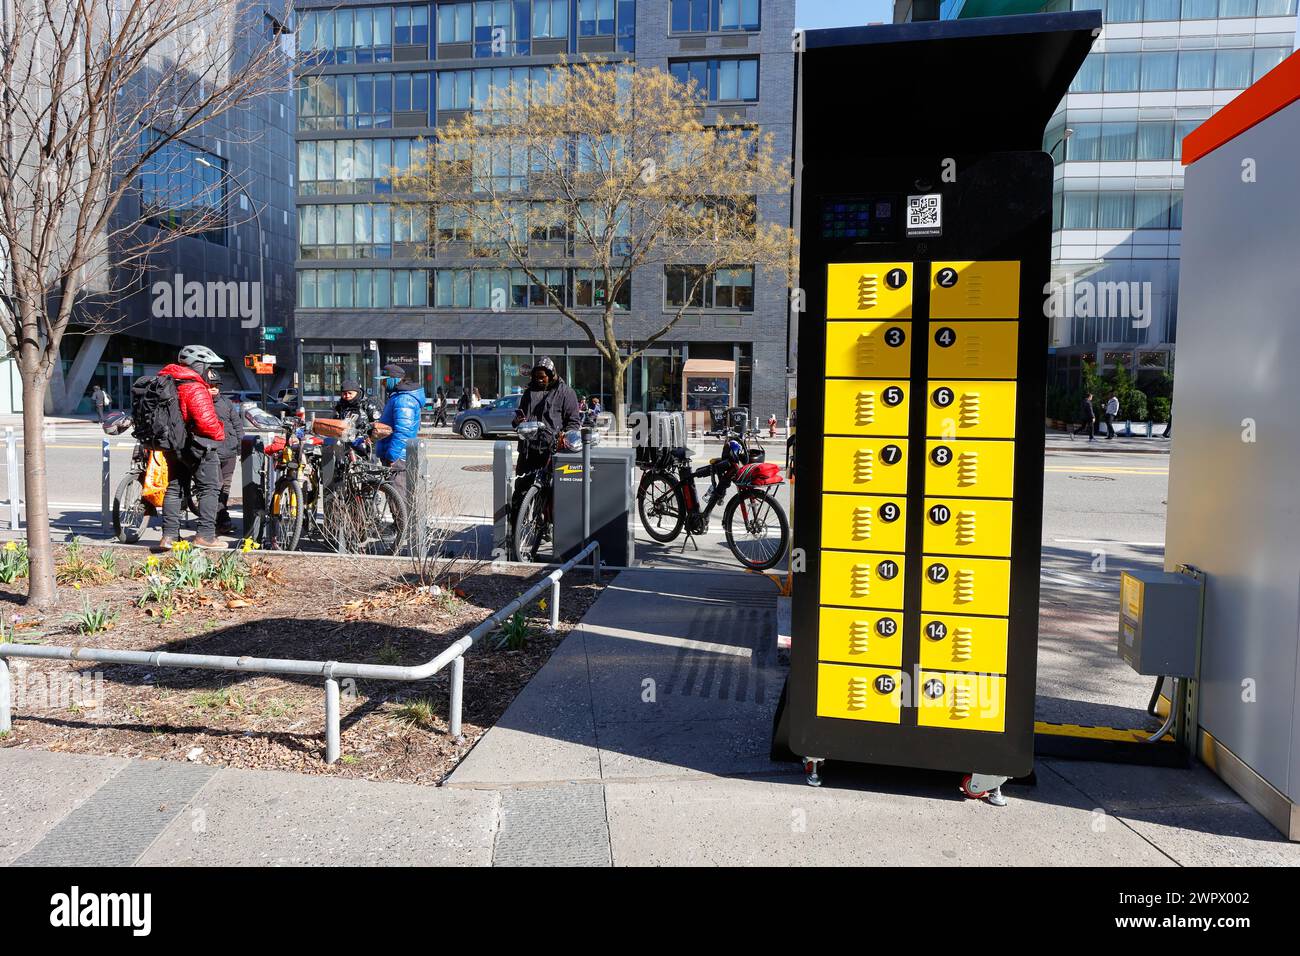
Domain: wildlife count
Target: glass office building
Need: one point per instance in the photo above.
(1159, 69)
(374, 284)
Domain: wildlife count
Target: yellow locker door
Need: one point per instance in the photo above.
(973, 349)
(865, 465)
(965, 585)
(864, 522)
(860, 636)
(869, 290)
(958, 409)
(862, 579)
(866, 407)
(962, 701)
(859, 693)
(975, 290)
(951, 642)
(869, 349)
(969, 468)
(975, 526)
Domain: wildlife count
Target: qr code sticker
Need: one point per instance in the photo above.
(923, 213)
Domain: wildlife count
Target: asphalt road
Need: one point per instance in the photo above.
(1102, 510)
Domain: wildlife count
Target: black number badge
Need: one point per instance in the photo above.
(895, 278)
(946, 278)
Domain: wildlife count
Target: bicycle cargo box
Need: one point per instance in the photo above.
(331, 428)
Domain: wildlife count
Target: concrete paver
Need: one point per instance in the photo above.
(38, 789)
(268, 818)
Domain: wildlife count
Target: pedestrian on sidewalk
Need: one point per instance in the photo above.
(439, 408)
(1087, 417)
(1169, 424)
(1112, 409)
(101, 400)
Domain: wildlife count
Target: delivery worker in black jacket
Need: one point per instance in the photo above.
(228, 451)
(551, 401)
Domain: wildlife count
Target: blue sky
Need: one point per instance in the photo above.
(811, 14)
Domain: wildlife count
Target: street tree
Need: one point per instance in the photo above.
(604, 170)
(95, 95)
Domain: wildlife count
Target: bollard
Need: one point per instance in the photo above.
(555, 606)
(586, 485)
(457, 695)
(105, 500)
(11, 462)
(6, 693)
(503, 476)
(331, 718)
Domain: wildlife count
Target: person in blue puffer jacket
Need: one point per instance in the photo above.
(402, 414)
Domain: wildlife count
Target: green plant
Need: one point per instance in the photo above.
(108, 563)
(388, 654)
(93, 620)
(349, 759)
(14, 561)
(187, 567)
(1160, 409)
(513, 634)
(157, 590)
(415, 713)
(77, 568)
(230, 573)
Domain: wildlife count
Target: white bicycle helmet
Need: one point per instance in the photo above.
(196, 354)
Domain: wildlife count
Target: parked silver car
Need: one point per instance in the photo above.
(489, 418)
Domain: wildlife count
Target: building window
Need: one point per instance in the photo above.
(608, 18)
(591, 291)
(494, 27)
(362, 101)
(710, 16)
(720, 81)
(343, 167)
(365, 35)
(455, 22)
(730, 288)
(550, 19)
(357, 230)
(183, 187)
(1230, 69)
(362, 288)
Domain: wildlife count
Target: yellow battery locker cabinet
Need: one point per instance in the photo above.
(924, 262)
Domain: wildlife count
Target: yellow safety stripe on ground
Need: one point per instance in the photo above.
(1119, 734)
(1103, 470)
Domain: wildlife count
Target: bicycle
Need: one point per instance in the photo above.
(131, 512)
(667, 500)
(533, 519)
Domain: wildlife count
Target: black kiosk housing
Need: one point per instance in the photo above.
(925, 211)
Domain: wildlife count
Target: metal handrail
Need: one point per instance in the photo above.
(331, 671)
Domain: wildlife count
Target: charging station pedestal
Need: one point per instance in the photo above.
(925, 245)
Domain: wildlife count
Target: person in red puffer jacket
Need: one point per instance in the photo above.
(199, 463)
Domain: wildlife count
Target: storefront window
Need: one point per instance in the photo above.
(324, 373)
(516, 370)
(449, 374)
(487, 377)
(705, 393)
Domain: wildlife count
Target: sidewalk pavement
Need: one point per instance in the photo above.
(644, 740)
(1069, 442)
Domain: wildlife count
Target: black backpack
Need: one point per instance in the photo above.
(156, 411)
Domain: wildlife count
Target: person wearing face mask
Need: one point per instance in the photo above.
(402, 414)
(550, 400)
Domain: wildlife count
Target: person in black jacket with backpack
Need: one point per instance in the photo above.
(232, 422)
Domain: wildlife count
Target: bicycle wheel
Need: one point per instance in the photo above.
(759, 539)
(130, 511)
(385, 522)
(286, 516)
(528, 526)
(661, 507)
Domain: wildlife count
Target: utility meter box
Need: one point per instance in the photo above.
(611, 504)
(1159, 619)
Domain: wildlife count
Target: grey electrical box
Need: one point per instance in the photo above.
(1159, 621)
(611, 504)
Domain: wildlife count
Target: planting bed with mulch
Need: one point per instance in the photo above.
(283, 606)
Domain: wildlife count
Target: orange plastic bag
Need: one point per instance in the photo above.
(155, 479)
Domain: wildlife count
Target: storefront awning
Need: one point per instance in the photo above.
(708, 367)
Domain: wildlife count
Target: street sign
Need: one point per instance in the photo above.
(426, 353)
(128, 366)
(273, 329)
(268, 359)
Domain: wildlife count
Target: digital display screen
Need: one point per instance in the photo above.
(859, 218)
